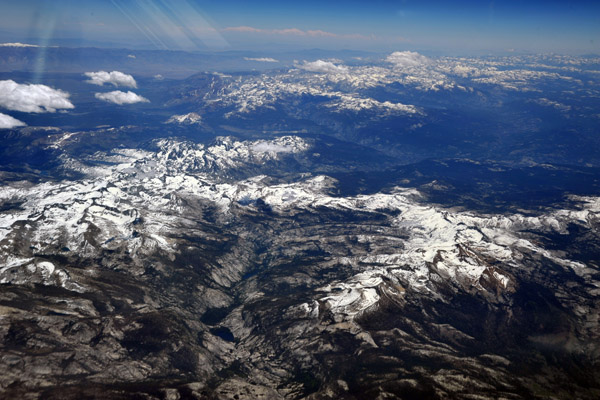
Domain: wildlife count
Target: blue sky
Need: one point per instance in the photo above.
(457, 26)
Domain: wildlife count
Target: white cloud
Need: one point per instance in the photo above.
(322, 66)
(131, 55)
(407, 59)
(121, 98)
(17, 45)
(317, 33)
(261, 59)
(7, 122)
(269, 147)
(32, 98)
(115, 78)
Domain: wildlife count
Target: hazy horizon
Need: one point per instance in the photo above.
(463, 27)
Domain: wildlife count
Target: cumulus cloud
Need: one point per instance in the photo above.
(266, 147)
(120, 98)
(32, 98)
(114, 78)
(7, 122)
(261, 59)
(407, 59)
(322, 66)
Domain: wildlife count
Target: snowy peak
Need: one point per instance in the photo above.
(185, 119)
(224, 153)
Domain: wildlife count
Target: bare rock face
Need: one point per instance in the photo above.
(165, 274)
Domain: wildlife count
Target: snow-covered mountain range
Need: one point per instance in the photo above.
(399, 227)
(139, 212)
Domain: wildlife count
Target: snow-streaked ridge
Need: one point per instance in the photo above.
(134, 201)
